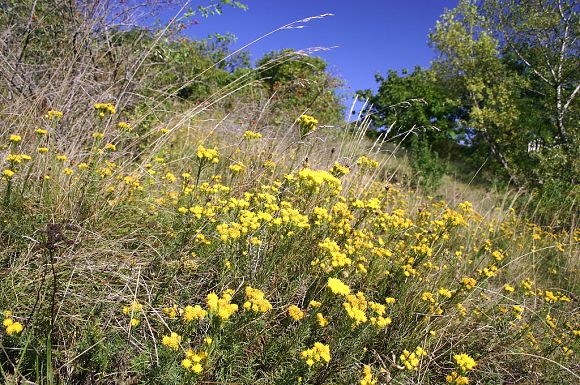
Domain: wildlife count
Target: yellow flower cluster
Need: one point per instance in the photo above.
(456, 379)
(209, 154)
(237, 168)
(307, 124)
(17, 158)
(334, 258)
(322, 320)
(125, 126)
(53, 114)
(133, 311)
(368, 378)
(295, 312)
(356, 306)
(366, 162)
(314, 180)
(411, 360)
(172, 341)
(8, 173)
(465, 362)
(12, 327)
(256, 301)
(338, 287)
(339, 170)
(193, 361)
(222, 307)
(379, 320)
(469, 283)
(317, 353)
(191, 313)
(252, 135)
(105, 108)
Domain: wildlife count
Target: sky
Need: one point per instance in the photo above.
(368, 36)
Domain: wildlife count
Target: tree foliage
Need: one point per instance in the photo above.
(298, 83)
(504, 84)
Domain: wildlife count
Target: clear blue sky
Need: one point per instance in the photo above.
(371, 35)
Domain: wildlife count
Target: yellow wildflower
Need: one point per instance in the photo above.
(464, 361)
(295, 312)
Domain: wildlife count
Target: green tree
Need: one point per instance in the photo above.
(414, 101)
(540, 39)
(469, 65)
(196, 69)
(298, 83)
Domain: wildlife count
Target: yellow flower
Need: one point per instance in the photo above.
(313, 180)
(508, 288)
(222, 307)
(411, 360)
(237, 168)
(134, 307)
(317, 353)
(445, 293)
(456, 379)
(428, 297)
(191, 313)
(103, 108)
(469, 283)
(339, 170)
(368, 378)
(15, 138)
(365, 162)
(355, 306)
(314, 304)
(171, 311)
(110, 147)
(322, 321)
(8, 173)
(210, 154)
(170, 177)
(464, 361)
(14, 328)
(42, 150)
(307, 124)
(125, 126)
(172, 341)
(53, 114)
(295, 312)
(338, 287)
(269, 164)
(40, 131)
(252, 135)
(256, 301)
(498, 255)
(193, 360)
(68, 171)
(186, 363)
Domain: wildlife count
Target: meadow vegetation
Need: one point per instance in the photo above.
(228, 228)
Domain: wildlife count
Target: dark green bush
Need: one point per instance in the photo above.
(426, 165)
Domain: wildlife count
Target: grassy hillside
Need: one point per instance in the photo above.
(214, 250)
(160, 226)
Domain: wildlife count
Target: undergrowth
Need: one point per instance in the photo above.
(230, 254)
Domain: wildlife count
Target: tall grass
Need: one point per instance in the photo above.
(172, 244)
